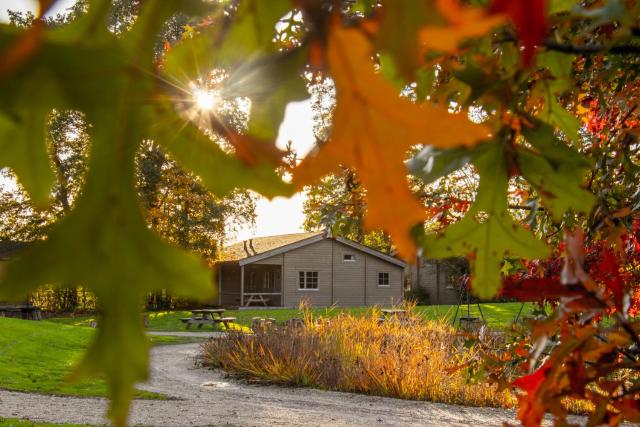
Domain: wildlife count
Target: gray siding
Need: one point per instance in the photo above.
(274, 260)
(351, 283)
(313, 257)
(348, 277)
(435, 276)
(382, 295)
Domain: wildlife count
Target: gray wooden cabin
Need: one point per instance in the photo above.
(316, 267)
(438, 278)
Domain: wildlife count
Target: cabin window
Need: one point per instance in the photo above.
(270, 280)
(349, 258)
(307, 280)
(383, 278)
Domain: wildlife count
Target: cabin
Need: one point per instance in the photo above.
(284, 270)
(438, 278)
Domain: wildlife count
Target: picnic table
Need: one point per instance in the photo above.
(257, 298)
(27, 311)
(207, 316)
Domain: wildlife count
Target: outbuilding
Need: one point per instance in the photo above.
(314, 267)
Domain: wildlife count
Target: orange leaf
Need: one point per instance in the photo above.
(373, 127)
(464, 22)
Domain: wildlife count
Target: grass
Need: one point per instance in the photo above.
(496, 314)
(37, 356)
(414, 359)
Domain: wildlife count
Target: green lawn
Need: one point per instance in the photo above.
(37, 356)
(497, 315)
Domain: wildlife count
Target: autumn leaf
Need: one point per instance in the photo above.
(463, 22)
(530, 20)
(531, 408)
(372, 130)
(487, 232)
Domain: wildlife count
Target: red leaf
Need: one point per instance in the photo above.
(609, 273)
(532, 382)
(536, 289)
(530, 19)
(531, 407)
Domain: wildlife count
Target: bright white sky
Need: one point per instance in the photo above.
(278, 216)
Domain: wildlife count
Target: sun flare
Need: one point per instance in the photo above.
(205, 100)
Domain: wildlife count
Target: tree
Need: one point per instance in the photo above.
(495, 87)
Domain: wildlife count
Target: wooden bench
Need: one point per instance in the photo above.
(224, 320)
(27, 311)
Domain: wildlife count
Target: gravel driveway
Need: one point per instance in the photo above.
(205, 397)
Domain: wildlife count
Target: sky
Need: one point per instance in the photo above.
(278, 216)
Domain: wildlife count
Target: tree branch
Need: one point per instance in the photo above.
(591, 49)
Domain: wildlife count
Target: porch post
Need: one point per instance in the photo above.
(241, 285)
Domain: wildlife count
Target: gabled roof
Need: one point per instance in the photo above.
(260, 248)
(260, 245)
(8, 248)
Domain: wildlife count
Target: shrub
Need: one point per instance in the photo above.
(409, 359)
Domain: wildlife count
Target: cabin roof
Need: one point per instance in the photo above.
(259, 245)
(260, 248)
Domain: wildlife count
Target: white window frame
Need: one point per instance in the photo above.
(351, 259)
(304, 275)
(380, 276)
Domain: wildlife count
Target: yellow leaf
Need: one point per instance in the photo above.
(373, 127)
(464, 22)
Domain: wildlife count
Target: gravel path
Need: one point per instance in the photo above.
(206, 397)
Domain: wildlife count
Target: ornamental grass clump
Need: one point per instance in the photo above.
(408, 358)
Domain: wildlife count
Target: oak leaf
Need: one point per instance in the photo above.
(373, 127)
(463, 23)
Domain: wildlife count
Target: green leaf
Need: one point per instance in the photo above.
(432, 163)
(219, 171)
(557, 6)
(479, 82)
(271, 84)
(556, 115)
(256, 68)
(400, 22)
(556, 171)
(543, 138)
(23, 137)
(560, 188)
(250, 38)
(104, 242)
(561, 66)
(487, 233)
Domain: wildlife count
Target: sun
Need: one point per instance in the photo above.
(205, 100)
